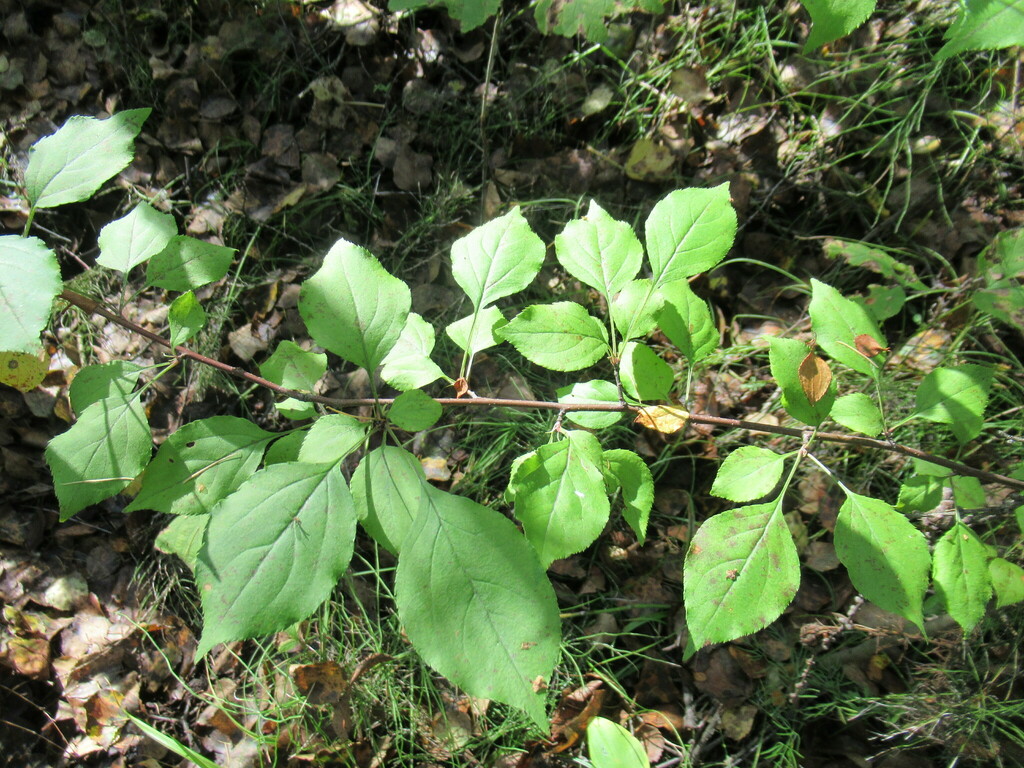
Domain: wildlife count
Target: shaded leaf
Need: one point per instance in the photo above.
(388, 488)
(414, 410)
(961, 575)
(886, 556)
(687, 322)
(984, 25)
(274, 551)
(956, 396)
(102, 452)
(187, 263)
(200, 464)
(643, 374)
(633, 477)
(785, 356)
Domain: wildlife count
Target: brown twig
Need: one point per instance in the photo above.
(92, 306)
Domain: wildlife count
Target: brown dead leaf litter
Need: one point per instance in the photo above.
(277, 128)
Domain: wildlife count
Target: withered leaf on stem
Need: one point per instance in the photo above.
(815, 377)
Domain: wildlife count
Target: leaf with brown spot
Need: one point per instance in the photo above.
(815, 377)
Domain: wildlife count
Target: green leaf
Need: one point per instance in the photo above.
(633, 477)
(968, 493)
(689, 232)
(102, 452)
(687, 321)
(596, 391)
(837, 322)
(29, 281)
(960, 573)
(187, 263)
(587, 17)
(859, 413)
(748, 473)
(886, 556)
(285, 448)
(296, 368)
(956, 396)
(408, 364)
(170, 743)
(784, 357)
(832, 19)
(599, 251)
(186, 318)
(633, 310)
(414, 410)
(135, 238)
(332, 438)
(560, 336)
(643, 374)
(200, 464)
(71, 164)
(921, 493)
(560, 496)
(183, 537)
(98, 382)
(389, 489)
(612, 746)
(1001, 266)
(476, 604)
(882, 302)
(498, 259)
(274, 551)
(470, 13)
(861, 255)
(741, 571)
(984, 25)
(1007, 581)
(353, 307)
(478, 331)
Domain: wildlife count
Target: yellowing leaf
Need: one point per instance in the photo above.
(815, 376)
(22, 371)
(649, 161)
(663, 418)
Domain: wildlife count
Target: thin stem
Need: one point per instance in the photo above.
(28, 221)
(93, 306)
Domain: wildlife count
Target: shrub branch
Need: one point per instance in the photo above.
(94, 307)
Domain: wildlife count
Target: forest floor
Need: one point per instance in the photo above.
(278, 128)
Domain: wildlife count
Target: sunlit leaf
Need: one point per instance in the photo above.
(475, 602)
(29, 281)
(71, 164)
(741, 571)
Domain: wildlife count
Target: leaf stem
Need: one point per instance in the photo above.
(94, 307)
